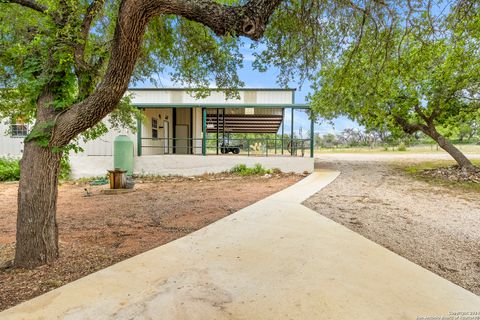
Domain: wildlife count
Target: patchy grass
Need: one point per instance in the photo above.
(88, 180)
(418, 169)
(243, 170)
(433, 148)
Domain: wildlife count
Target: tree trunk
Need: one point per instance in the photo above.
(37, 232)
(446, 145)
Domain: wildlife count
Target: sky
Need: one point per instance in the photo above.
(255, 79)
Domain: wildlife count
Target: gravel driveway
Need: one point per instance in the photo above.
(432, 226)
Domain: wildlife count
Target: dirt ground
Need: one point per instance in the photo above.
(99, 230)
(433, 226)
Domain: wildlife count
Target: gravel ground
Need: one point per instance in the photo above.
(433, 226)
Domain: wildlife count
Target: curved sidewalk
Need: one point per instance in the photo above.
(275, 259)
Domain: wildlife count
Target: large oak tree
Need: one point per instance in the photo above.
(76, 60)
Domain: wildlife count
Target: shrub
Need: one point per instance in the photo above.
(65, 169)
(9, 169)
(402, 146)
(243, 170)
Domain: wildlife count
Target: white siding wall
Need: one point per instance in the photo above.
(182, 96)
(103, 146)
(9, 146)
(269, 97)
(150, 96)
(214, 97)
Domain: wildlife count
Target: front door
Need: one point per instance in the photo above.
(181, 139)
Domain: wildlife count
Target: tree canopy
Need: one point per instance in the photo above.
(67, 64)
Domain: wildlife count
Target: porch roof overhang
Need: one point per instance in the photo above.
(221, 105)
(244, 123)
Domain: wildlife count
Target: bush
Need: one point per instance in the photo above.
(243, 170)
(65, 169)
(402, 146)
(10, 169)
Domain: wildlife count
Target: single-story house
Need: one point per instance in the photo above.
(184, 134)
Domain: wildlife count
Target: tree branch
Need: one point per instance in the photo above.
(81, 65)
(420, 112)
(32, 4)
(90, 15)
(248, 20)
(409, 128)
(435, 113)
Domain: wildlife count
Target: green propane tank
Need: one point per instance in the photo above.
(123, 154)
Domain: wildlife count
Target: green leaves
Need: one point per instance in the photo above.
(188, 53)
(41, 133)
(49, 51)
(423, 79)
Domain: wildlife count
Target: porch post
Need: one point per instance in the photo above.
(223, 125)
(291, 136)
(312, 134)
(139, 137)
(283, 126)
(204, 129)
(218, 130)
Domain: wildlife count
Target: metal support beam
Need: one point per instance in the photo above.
(223, 126)
(283, 127)
(190, 144)
(291, 135)
(139, 137)
(218, 130)
(174, 140)
(312, 134)
(204, 130)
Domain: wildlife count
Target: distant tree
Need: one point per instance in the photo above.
(464, 126)
(466, 131)
(328, 140)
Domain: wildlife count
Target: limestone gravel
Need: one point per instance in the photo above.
(433, 226)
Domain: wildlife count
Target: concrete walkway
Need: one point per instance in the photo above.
(275, 259)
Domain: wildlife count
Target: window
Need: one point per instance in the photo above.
(154, 128)
(18, 128)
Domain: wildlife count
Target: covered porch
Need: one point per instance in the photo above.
(222, 129)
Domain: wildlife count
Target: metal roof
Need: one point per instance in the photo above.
(221, 105)
(212, 89)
